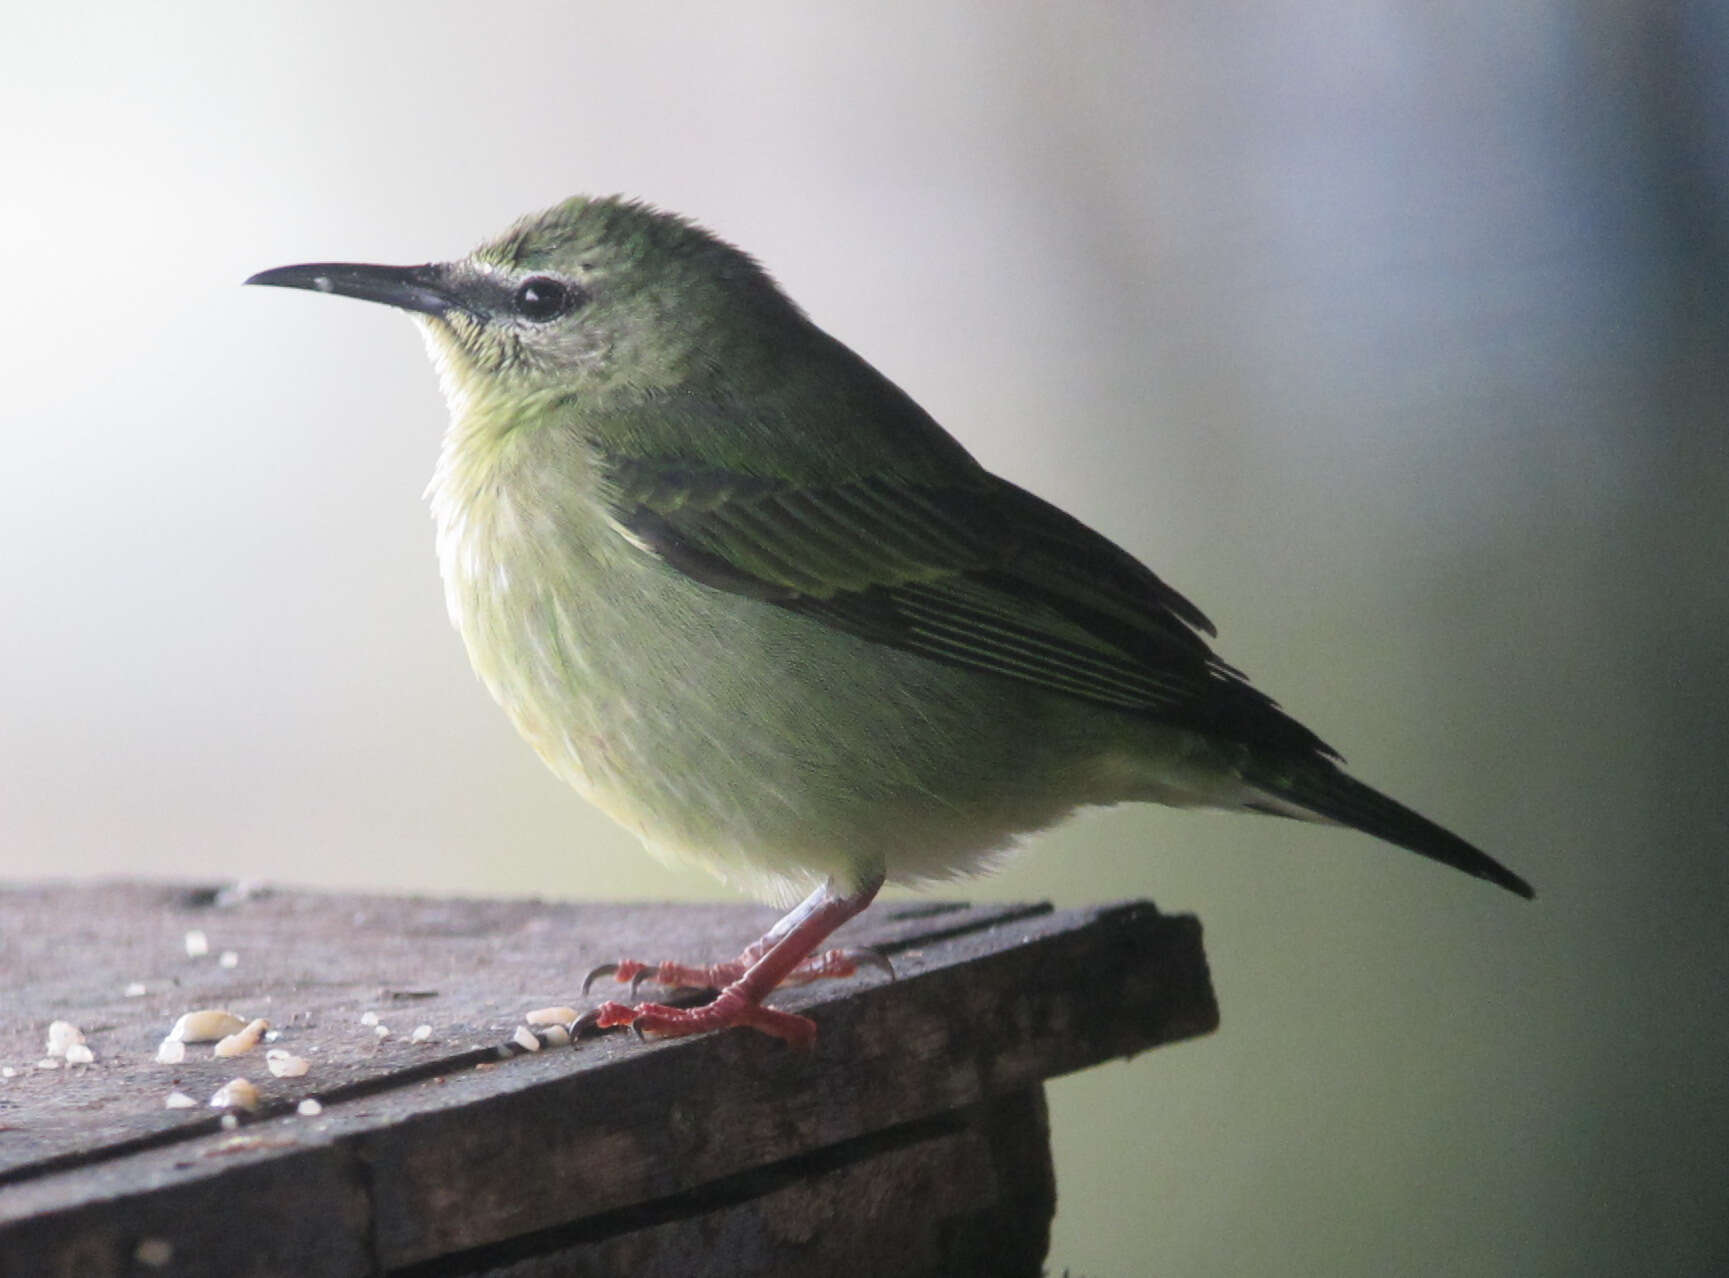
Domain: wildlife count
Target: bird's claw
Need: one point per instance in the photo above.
(586, 1024)
(595, 973)
(864, 956)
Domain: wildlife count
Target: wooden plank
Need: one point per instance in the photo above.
(432, 1149)
(967, 1193)
(981, 1015)
(313, 964)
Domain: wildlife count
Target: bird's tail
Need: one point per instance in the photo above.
(1330, 795)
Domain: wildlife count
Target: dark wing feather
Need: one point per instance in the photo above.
(971, 571)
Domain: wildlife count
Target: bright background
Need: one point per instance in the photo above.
(1392, 333)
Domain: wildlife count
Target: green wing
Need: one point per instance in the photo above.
(967, 569)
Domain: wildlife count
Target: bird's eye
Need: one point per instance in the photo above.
(543, 298)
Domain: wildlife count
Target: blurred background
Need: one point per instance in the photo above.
(1392, 333)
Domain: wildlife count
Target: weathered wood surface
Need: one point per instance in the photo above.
(574, 1160)
(965, 1193)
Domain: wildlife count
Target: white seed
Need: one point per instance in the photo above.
(228, 958)
(383, 1031)
(179, 1100)
(369, 1018)
(206, 1026)
(285, 1064)
(242, 1041)
(79, 1054)
(62, 1035)
(421, 1034)
(8, 1072)
(308, 1108)
(556, 1036)
(170, 1051)
(525, 1039)
(197, 944)
(153, 1253)
(236, 1093)
(48, 1062)
(551, 1016)
(229, 1122)
(136, 990)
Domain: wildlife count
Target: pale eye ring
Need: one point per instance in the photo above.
(542, 298)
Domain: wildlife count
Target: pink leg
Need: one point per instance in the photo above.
(783, 954)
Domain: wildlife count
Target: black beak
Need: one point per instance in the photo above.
(425, 289)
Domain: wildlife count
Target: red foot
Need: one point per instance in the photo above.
(727, 1010)
(783, 955)
(716, 976)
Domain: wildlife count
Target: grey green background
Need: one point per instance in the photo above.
(1392, 333)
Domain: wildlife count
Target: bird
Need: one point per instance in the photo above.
(738, 589)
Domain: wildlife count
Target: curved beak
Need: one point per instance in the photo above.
(426, 289)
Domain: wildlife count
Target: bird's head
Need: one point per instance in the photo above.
(593, 297)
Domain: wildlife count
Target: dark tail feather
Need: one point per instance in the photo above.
(1329, 793)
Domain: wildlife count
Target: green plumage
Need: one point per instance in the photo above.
(739, 589)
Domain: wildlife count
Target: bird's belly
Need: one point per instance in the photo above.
(758, 742)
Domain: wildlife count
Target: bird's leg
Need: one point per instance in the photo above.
(784, 953)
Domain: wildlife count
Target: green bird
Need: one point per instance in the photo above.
(745, 595)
